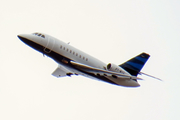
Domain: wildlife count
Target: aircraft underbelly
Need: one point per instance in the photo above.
(124, 81)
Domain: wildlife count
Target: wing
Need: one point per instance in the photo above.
(101, 72)
(61, 71)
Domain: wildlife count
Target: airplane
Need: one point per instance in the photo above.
(72, 61)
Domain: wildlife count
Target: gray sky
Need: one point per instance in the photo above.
(113, 31)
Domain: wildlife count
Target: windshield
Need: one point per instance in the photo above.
(39, 34)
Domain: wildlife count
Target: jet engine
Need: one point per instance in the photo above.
(113, 67)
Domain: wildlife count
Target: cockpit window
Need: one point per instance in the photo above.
(43, 36)
(39, 34)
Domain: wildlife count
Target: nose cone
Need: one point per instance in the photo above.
(26, 39)
(22, 38)
(32, 41)
(19, 36)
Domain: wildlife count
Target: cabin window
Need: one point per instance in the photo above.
(83, 58)
(70, 51)
(79, 56)
(86, 59)
(64, 48)
(76, 54)
(73, 53)
(61, 47)
(67, 50)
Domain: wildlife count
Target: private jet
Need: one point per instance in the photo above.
(72, 61)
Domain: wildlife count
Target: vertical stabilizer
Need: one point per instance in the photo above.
(134, 65)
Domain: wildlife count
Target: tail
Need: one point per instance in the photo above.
(134, 65)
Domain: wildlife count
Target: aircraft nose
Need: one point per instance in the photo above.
(23, 38)
(19, 36)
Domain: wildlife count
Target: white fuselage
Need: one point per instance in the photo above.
(62, 53)
(66, 50)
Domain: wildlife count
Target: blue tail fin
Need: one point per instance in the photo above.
(134, 65)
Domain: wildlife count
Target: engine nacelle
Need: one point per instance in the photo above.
(115, 68)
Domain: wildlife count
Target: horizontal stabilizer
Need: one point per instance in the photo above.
(141, 73)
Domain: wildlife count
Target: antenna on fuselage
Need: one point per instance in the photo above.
(68, 43)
